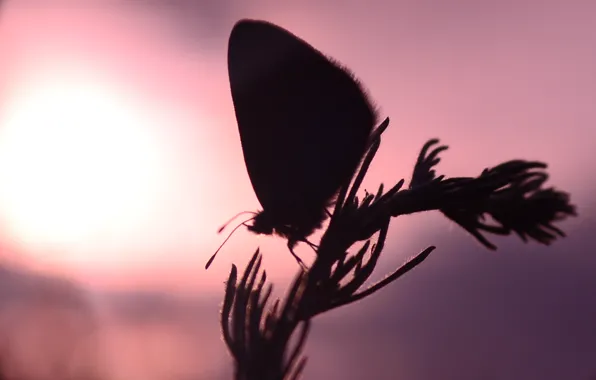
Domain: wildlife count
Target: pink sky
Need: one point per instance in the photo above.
(493, 80)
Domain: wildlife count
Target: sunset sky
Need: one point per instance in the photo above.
(120, 156)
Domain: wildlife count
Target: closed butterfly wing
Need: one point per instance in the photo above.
(304, 122)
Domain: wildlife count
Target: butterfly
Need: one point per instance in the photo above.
(304, 121)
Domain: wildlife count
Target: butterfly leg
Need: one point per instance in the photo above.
(291, 245)
(312, 245)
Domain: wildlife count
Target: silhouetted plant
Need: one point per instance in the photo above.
(266, 338)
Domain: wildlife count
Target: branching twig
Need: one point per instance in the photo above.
(259, 335)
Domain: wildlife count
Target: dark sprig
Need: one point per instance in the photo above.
(423, 170)
(257, 333)
(511, 194)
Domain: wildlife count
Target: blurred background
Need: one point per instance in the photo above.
(120, 158)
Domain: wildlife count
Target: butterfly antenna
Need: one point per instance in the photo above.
(227, 238)
(225, 225)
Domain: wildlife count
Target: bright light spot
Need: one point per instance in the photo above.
(76, 159)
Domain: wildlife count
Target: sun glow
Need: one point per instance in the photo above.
(76, 158)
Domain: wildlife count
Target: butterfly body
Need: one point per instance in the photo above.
(304, 125)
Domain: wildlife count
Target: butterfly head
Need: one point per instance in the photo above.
(263, 223)
(301, 226)
(267, 223)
